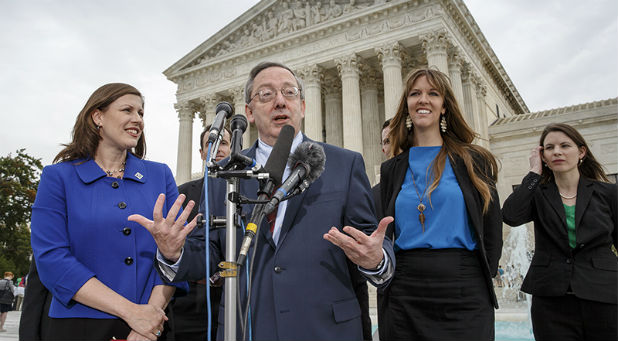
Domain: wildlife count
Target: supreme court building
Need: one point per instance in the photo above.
(353, 57)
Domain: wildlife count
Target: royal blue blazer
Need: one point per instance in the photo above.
(80, 230)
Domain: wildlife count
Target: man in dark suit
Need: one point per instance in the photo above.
(386, 150)
(301, 285)
(188, 315)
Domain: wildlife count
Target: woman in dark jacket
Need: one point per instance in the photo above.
(572, 277)
(447, 230)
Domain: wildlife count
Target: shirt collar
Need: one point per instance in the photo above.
(89, 171)
(263, 150)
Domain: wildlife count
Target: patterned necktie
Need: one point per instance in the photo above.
(271, 218)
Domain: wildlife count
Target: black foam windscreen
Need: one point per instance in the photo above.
(275, 165)
(312, 155)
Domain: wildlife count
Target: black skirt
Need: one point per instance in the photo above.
(85, 329)
(438, 295)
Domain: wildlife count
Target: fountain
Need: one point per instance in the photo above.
(513, 317)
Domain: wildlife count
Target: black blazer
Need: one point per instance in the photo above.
(34, 320)
(590, 269)
(487, 227)
(375, 191)
(193, 191)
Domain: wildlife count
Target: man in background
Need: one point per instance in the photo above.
(188, 315)
(386, 149)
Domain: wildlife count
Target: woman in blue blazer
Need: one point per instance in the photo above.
(97, 264)
(573, 276)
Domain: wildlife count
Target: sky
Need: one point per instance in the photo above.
(54, 54)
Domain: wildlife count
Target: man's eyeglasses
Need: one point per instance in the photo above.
(268, 94)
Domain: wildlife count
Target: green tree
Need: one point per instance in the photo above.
(19, 179)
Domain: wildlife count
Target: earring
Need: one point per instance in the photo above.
(580, 161)
(408, 123)
(443, 124)
(98, 126)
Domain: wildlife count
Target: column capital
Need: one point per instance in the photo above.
(481, 88)
(237, 93)
(476, 80)
(186, 110)
(455, 59)
(348, 65)
(437, 41)
(331, 85)
(311, 74)
(390, 52)
(208, 102)
(369, 77)
(467, 74)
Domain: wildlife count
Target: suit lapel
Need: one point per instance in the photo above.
(249, 189)
(550, 192)
(468, 190)
(399, 173)
(197, 191)
(584, 194)
(292, 208)
(294, 205)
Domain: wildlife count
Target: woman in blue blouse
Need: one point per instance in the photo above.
(97, 264)
(448, 228)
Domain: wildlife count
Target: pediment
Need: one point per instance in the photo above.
(267, 21)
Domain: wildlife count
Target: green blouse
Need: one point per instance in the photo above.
(570, 221)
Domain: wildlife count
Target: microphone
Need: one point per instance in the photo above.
(238, 125)
(275, 166)
(307, 164)
(224, 110)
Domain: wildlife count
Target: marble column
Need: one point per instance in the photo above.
(186, 113)
(390, 58)
(207, 114)
(435, 45)
(454, 70)
(332, 106)
(352, 119)
(238, 94)
(312, 78)
(209, 105)
(469, 94)
(482, 124)
(371, 124)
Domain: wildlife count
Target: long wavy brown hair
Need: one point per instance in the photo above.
(457, 140)
(85, 135)
(589, 167)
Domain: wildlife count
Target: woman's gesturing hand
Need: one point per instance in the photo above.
(169, 233)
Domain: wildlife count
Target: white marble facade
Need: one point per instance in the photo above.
(352, 56)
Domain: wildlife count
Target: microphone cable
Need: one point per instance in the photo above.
(247, 323)
(207, 245)
(249, 271)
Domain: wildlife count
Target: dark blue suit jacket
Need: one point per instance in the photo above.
(302, 288)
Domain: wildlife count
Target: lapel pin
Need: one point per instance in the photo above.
(139, 175)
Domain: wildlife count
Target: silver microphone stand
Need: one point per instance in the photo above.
(232, 176)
